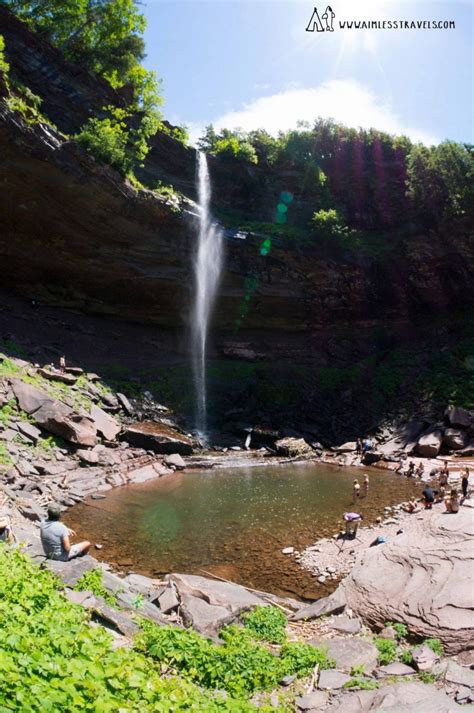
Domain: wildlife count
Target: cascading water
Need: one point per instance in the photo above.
(207, 270)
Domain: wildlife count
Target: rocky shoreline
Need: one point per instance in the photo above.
(65, 436)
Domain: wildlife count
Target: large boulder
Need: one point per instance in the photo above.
(105, 424)
(423, 578)
(458, 417)
(348, 653)
(54, 416)
(293, 447)
(429, 445)
(157, 437)
(233, 597)
(454, 438)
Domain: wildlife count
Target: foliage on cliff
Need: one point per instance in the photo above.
(359, 179)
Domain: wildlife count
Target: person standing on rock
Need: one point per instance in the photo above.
(358, 447)
(464, 481)
(55, 538)
(62, 364)
(444, 475)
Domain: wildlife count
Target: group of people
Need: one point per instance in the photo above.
(452, 501)
(356, 488)
(411, 471)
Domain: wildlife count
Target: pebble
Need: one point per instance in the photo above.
(288, 550)
(321, 579)
(331, 569)
(97, 546)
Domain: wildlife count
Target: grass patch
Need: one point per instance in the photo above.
(266, 624)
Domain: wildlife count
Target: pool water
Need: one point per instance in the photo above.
(232, 522)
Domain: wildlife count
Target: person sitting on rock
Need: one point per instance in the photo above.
(452, 503)
(420, 470)
(55, 538)
(6, 533)
(444, 475)
(411, 506)
(428, 497)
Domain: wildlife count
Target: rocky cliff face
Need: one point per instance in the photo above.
(74, 233)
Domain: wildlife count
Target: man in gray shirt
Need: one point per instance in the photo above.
(55, 538)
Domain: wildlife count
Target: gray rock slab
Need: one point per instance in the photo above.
(395, 669)
(71, 572)
(127, 406)
(331, 679)
(168, 600)
(409, 697)
(232, 596)
(175, 461)
(332, 604)
(346, 625)
(203, 617)
(113, 618)
(28, 430)
(142, 585)
(349, 652)
(105, 424)
(452, 672)
(312, 701)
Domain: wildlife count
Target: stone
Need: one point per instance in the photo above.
(71, 572)
(407, 697)
(452, 672)
(312, 701)
(141, 584)
(142, 475)
(321, 579)
(29, 398)
(422, 578)
(59, 419)
(464, 695)
(293, 447)
(105, 423)
(454, 438)
(69, 379)
(346, 625)
(111, 617)
(125, 403)
(349, 652)
(28, 430)
(207, 619)
(288, 680)
(458, 417)
(88, 456)
(158, 438)
(175, 461)
(348, 447)
(429, 445)
(330, 679)
(424, 658)
(395, 669)
(288, 550)
(333, 604)
(388, 632)
(8, 435)
(232, 596)
(168, 600)
(31, 511)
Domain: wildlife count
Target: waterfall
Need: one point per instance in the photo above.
(207, 269)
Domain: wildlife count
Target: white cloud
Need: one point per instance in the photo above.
(346, 101)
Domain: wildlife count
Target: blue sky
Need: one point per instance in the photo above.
(252, 64)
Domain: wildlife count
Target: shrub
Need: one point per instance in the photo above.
(93, 581)
(435, 645)
(366, 684)
(51, 659)
(4, 66)
(387, 650)
(267, 624)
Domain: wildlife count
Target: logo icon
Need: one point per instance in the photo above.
(316, 24)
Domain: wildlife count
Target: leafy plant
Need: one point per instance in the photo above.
(406, 657)
(435, 645)
(51, 659)
(5, 457)
(387, 650)
(93, 581)
(400, 629)
(427, 677)
(301, 658)
(358, 670)
(266, 624)
(4, 66)
(366, 684)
